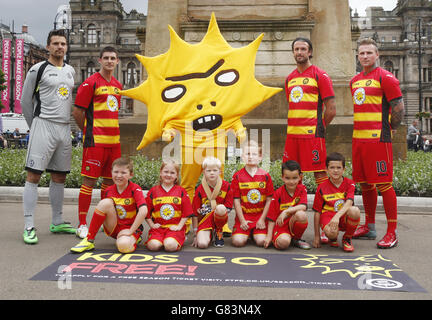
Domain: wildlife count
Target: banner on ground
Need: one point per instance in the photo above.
(313, 271)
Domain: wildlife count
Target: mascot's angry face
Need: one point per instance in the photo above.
(206, 114)
(204, 86)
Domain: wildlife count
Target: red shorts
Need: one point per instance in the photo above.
(326, 216)
(208, 222)
(284, 229)
(372, 162)
(119, 227)
(252, 225)
(160, 234)
(97, 161)
(309, 153)
(280, 230)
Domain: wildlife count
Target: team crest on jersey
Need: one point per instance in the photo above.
(338, 205)
(254, 196)
(296, 94)
(63, 92)
(359, 96)
(112, 103)
(167, 211)
(121, 212)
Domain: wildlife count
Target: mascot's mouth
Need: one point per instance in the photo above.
(209, 122)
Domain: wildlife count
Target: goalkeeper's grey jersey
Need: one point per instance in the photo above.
(52, 98)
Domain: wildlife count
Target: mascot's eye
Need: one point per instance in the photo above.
(227, 77)
(173, 93)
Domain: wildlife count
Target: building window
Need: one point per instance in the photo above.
(388, 65)
(91, 68)
(126, 107)
(429, 70)
(131, 75)
(91, 34)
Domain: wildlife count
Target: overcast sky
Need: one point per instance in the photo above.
(39, 15)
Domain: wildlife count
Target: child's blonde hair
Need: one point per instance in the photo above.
(211, 161)
(176, 167)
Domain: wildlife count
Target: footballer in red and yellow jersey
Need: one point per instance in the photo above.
(101, 100)
(329, 199)
(372, 94)
(305, 93)
(282, 200)
(252, 191)
(168, 208)
(127, 203)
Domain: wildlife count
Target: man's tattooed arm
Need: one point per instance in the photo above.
(397, 112)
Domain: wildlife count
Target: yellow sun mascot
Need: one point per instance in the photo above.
(200, 92)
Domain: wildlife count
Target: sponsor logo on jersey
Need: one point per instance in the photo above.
(63, 91)
(359, 96)
(121, 212)
(167, 211)
(112, 103)
(296, 94)
(254, 196)
(338, 205)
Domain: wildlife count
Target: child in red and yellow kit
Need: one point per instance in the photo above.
(211, 204)
(121, 212)
(287, 217)
(333, 205)
(169, 207)
(252, 189)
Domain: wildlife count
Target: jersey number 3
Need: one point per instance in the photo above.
(316, 156)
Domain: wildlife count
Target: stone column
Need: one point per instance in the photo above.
(157, 40)
(160, 14)
(333, 50)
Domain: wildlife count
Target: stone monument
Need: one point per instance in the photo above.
(281, 21)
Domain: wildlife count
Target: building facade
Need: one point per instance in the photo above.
(96, 24)
(404, 37)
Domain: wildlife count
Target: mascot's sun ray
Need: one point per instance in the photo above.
(199, 90)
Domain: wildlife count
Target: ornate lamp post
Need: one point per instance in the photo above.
(64, 17)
